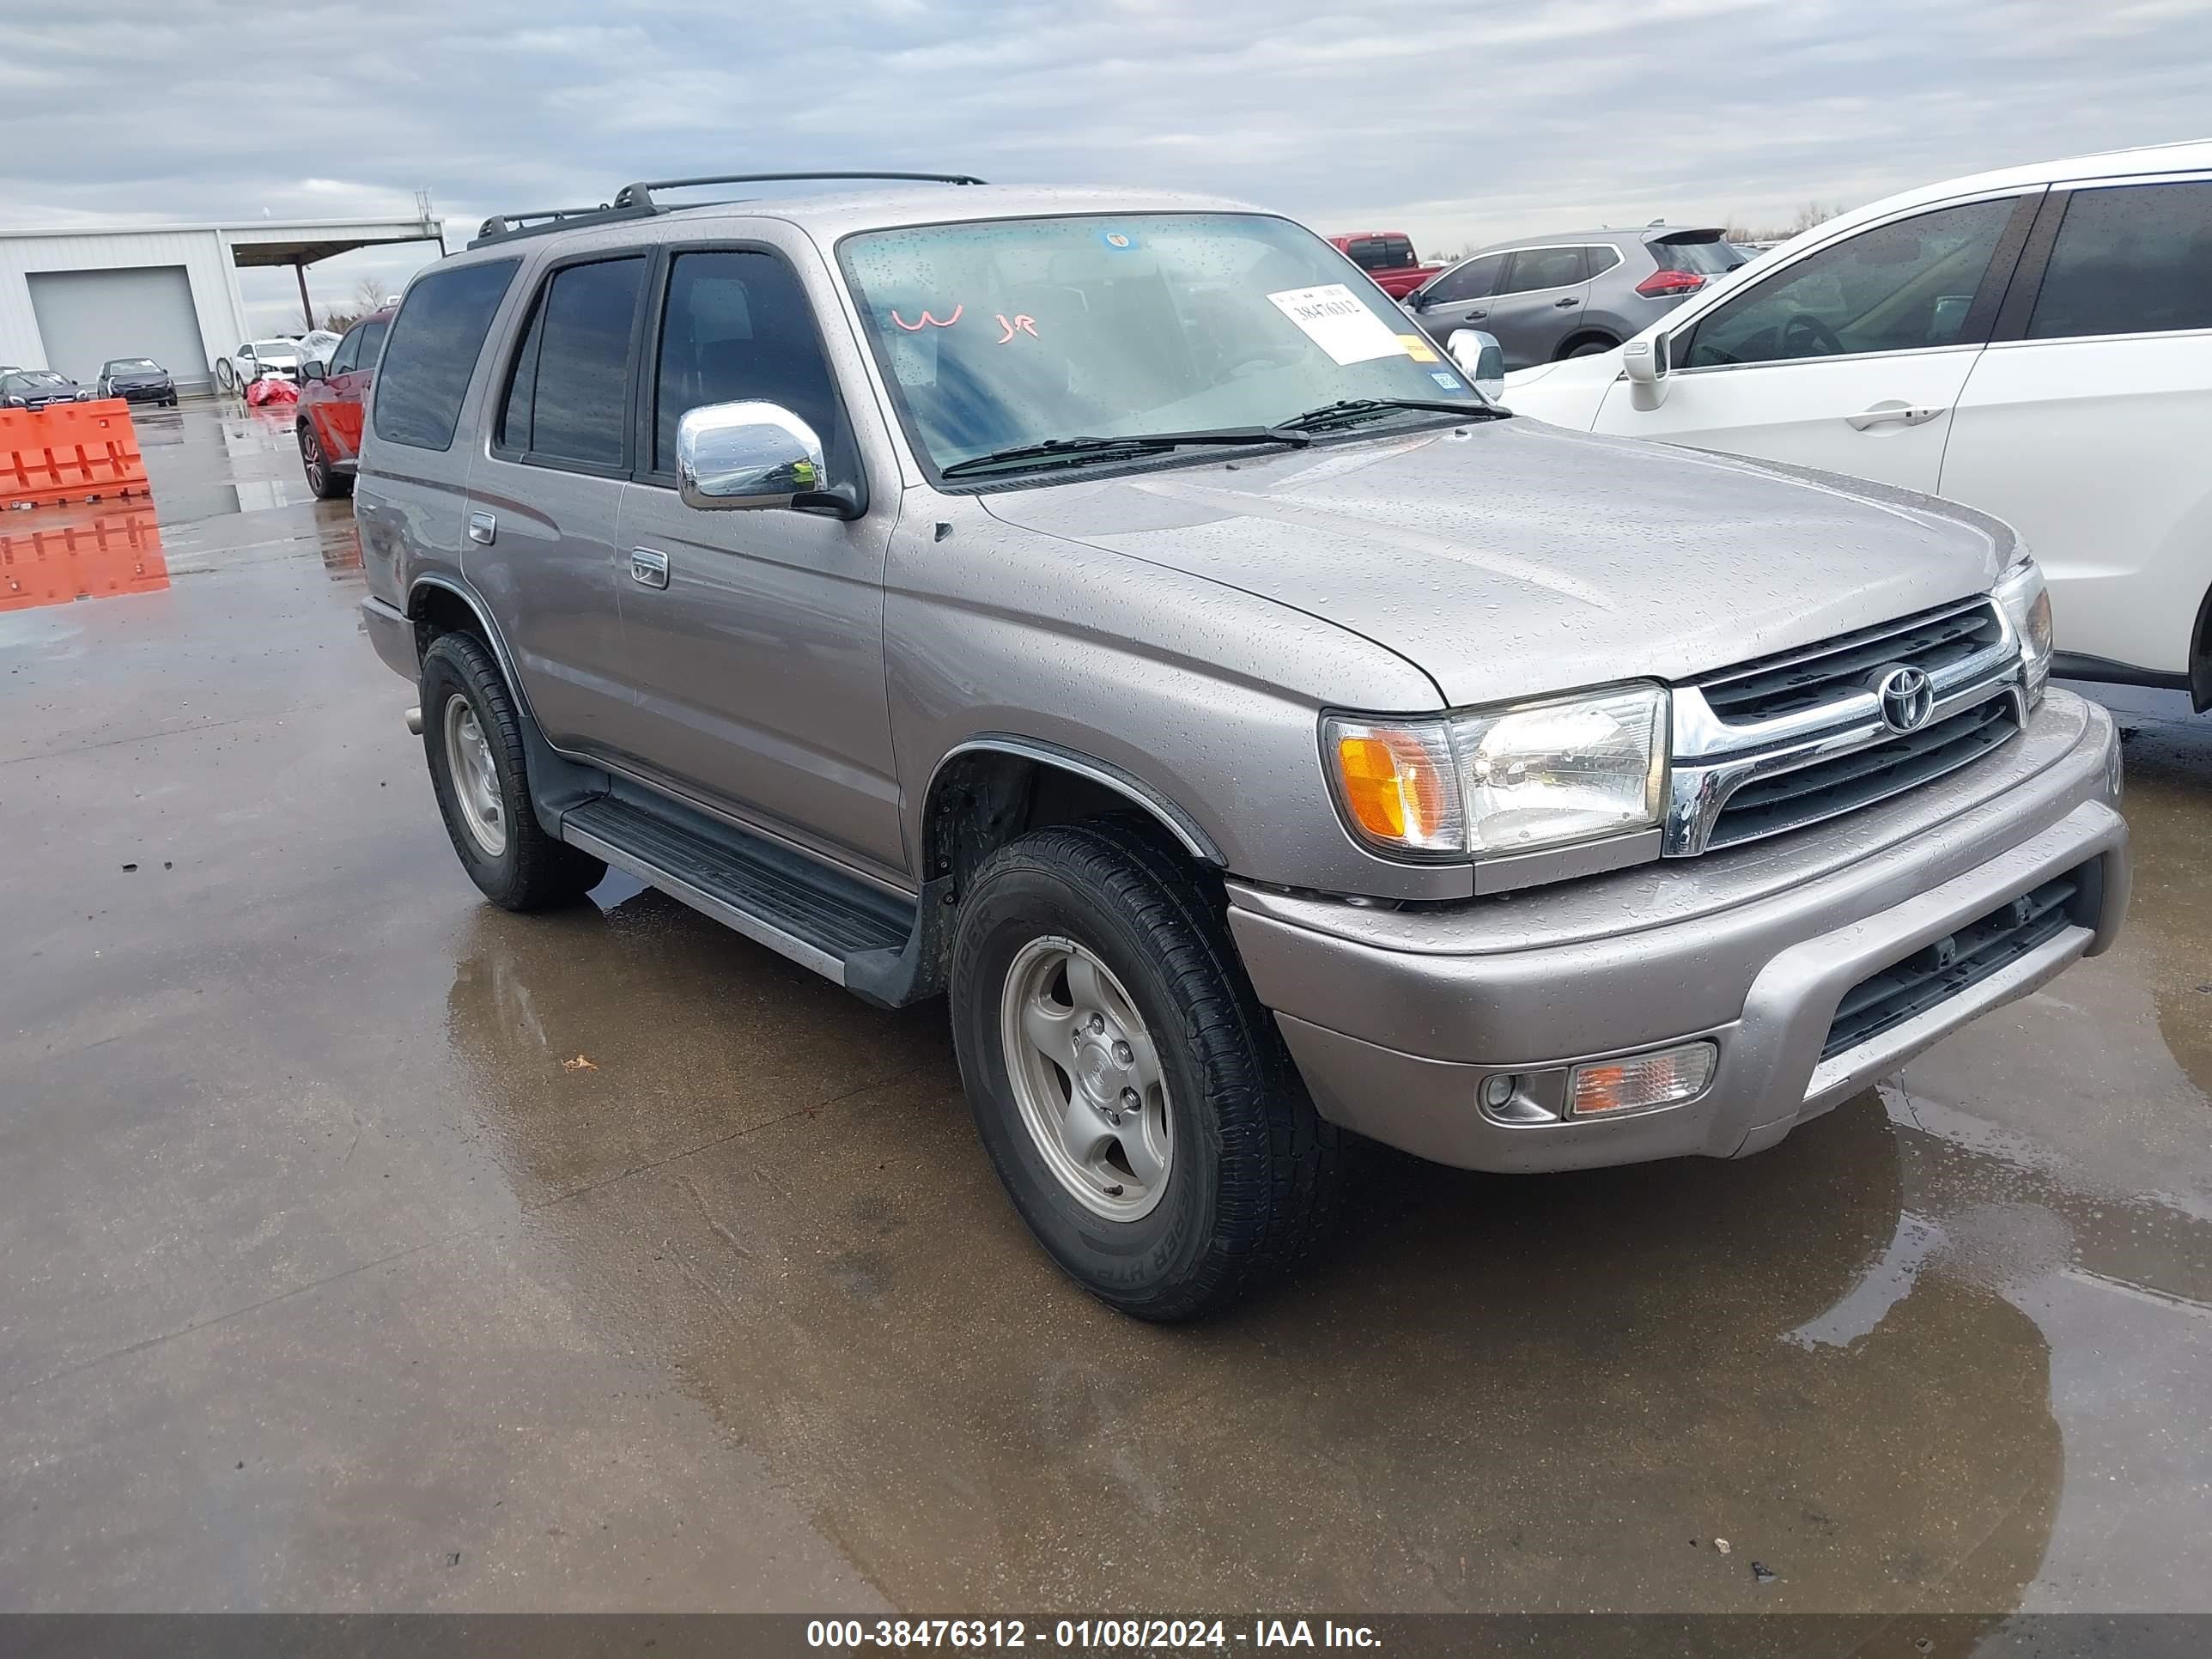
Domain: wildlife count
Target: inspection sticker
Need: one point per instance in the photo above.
(1334, 320)
(1417, 349)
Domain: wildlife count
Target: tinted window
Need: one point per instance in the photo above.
(1381, 252)
(347, 355)
(1475, 280)
(2134, 260)
(1899, 287)
(372, 341)
(738, 326)
(432, 352)
(1708, 257)
(569, 400)
(1543, 267)
(1602, 259)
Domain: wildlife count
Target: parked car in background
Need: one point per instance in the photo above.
(1100, 608)
(257, 358)
(1387, 257)
(34, 388)
(136, 380)
(2035, 341)
(1574, 294)
(332, 396)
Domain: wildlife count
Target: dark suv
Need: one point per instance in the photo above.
(1573, 294)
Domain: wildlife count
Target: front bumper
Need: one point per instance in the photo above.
(1396, 1016)
(144, 394)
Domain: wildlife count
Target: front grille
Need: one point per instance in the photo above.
(1794, 681)
(1784, 800)
(1938, 972)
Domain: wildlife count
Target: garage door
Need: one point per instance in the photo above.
(86, 317)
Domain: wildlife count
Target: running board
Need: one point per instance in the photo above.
(818, 917)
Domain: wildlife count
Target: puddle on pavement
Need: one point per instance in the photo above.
(1493, 1384)
(94, 550)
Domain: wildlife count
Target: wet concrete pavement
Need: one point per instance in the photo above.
(331, 1281)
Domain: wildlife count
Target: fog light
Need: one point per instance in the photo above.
(1497, 1091)
(1641, 1081)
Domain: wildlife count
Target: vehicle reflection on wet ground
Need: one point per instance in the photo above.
(376, 1248)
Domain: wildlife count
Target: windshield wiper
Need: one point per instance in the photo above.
(1069, 451)
(1350, 411)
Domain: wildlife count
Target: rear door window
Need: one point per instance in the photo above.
(372, 341)
(2135, 259)
(433, 351)
(737, 327)
(1908, 285)
(1535, 268)
(567, 401)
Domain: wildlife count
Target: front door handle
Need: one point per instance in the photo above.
(1569, 300)
(482, 526)
(1474, 316)
(1892, 413)
(648, 568)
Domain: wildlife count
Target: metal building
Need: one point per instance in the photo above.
(72, 299)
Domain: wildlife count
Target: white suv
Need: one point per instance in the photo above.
(2037, 343)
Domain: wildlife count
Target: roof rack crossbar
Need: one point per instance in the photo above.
(635, 201)
(639, 195)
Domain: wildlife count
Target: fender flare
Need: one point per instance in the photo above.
(1171, 817)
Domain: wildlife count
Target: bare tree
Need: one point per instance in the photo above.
(369, 294)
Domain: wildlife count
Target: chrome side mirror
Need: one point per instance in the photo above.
(746, 455)
(1480, 358)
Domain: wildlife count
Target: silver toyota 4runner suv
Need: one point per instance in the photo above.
(1106, 609)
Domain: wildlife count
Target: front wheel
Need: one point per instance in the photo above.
(226, 376)
(1132, 1094)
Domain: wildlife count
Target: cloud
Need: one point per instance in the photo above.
(1459, 124)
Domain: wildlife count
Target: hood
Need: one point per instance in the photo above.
(1512, 558)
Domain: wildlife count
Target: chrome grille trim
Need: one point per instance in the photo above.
(1713, 758)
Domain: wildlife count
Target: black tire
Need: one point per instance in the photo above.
(1256, 1174)
(226, 376)
(1589, 346)
(326, 481)
(532, 871)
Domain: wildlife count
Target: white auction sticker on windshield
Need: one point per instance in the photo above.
(1334, 320)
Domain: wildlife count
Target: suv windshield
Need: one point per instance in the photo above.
(1002, 333)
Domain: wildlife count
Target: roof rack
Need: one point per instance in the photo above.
(635, 201)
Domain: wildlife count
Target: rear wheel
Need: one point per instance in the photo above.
(326, 481)
(1589, 345)
(226, 375)
(1132, 1094)
(472, 739)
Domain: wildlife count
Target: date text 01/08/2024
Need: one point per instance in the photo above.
(1214, 1634)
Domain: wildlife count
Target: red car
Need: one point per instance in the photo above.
(333, 396)
(1388, 256)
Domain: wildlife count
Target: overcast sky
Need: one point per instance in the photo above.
(1459, 120)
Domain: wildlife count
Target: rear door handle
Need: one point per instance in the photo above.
(482, 526)
(648, 568)
(1569, 300)
(1888, 414)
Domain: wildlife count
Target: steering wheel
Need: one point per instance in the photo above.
(1822, 340)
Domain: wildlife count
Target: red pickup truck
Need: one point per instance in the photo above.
(1388, 256)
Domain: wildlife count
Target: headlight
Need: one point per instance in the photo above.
(2021, 592)
(1515, 779)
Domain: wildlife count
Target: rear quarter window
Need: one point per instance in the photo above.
(432, 352)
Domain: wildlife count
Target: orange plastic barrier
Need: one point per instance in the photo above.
(92, 555)
(69, 452)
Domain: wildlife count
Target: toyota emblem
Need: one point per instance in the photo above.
(1907, 699)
